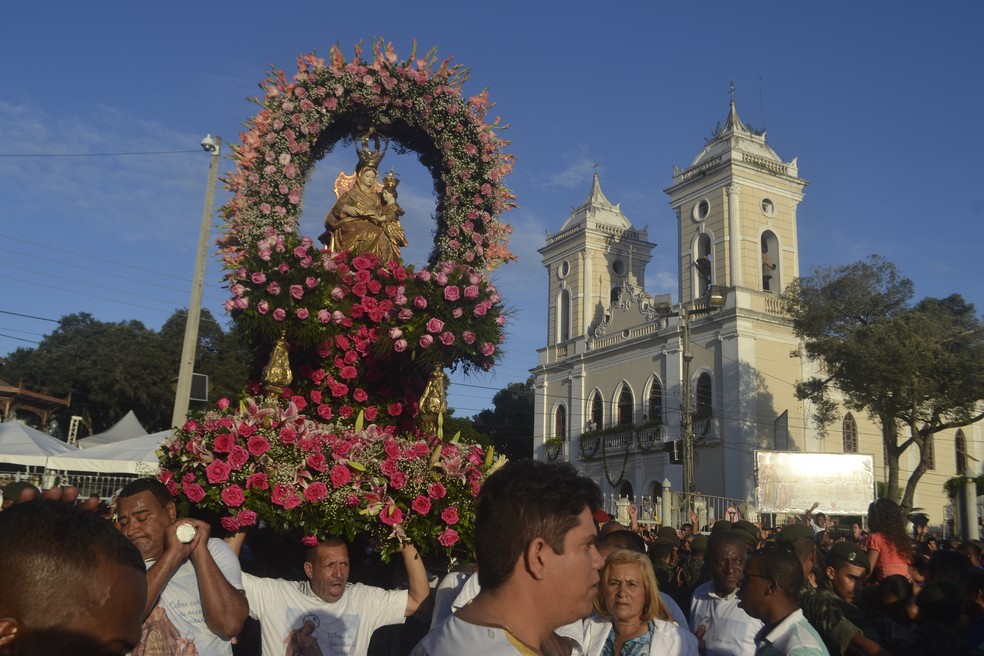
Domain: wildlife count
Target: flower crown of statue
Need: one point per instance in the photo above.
(371, 156)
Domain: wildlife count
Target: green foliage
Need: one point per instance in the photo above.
(111, 368)
(917, 369)
(953, 485)
(510, 425)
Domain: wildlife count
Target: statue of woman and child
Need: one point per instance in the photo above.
(366, 216)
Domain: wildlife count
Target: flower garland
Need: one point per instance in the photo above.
(416, 103)
(276, 464)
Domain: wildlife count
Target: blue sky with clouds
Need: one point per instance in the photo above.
(879, 101)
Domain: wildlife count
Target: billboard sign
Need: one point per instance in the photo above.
(843, 484)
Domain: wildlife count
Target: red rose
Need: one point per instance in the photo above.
(246, 518)
(340, 475)
(257, 482)
(398, 480)
(317, 462)
(324, 411)
(223, 443)
(258, 445)
(391, 515)
(371, 413)
(233, 496)
(194, 492)
(421, 505)
(230, 524)
(217, 471)
(450, 515)
(437, 491)
(316, 492)
(395, 409)
(238, 457)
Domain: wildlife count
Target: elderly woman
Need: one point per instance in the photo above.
(630, 618)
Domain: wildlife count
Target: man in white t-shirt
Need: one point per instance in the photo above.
(195, 595)
(326, 614)
(537, 564)
(721, 626)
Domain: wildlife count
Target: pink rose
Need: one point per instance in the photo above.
(488, 348)
(263, 307)
(310, 541)
(450, 515)
(395, 333)
(302, 313)
(452, 293)
(238, 457)
(311, 282)
(437, 491)
(222, 403)
(257, 482)
(273, 288)
(435, 325)
(223, 443)
(421, 505)
(296, 291)
(258, 445)
(233, 496)
(400, 345)
(471, 292)
(194, 492)
(317, 462)
(217, 471)
(246, 518)
(340, 475)
(279, 314)
(448, 538)
(447, 338)
(391, 515)
(468, 336)
(315, 492)
(258, 278)
(419, 302)
(425, 341)
(405, 314)
(324, 316)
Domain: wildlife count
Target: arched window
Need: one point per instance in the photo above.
(704, 264)
(770, 263)
(625, 403)
(960, 446)
(564, 316)
(597, 412)
(655, 405)
(560, 423)
(703, 409)
(850, 429)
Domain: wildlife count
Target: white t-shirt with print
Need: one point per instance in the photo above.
(730, 630)
(181, 602)
(343, 628)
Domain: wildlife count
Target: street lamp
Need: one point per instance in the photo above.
(212, 145)
(717, 297)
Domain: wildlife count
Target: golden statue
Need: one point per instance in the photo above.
(366, 216)
(434, 401)
(277, 374)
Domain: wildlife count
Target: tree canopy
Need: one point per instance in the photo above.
(916, 369)
(111, 368)
(510, 424)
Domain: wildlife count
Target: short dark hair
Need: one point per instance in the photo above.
(623, 540)
(782, 567)
(49, 548)
(152, 485)
(524, 500)
(724, 538)
(311, 553)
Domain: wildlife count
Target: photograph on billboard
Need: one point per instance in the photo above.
(843, 484)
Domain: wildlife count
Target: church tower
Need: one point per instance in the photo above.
(595, 256)
(736, 214)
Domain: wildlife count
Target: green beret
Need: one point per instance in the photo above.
(793, 532)
(850, 553)
(699, 543)
(721, 525)
(750, 540)
(750, 528)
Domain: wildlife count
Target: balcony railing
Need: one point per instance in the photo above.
(620, 439)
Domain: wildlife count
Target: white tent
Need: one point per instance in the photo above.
(22, 445)
(126, 428)
(137, 455)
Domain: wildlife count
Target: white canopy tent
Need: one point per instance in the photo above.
(137, 455)
(22, 445)
(126, 428)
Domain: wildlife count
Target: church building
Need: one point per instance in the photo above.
(610, 382)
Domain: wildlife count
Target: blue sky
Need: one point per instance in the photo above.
(879, 101)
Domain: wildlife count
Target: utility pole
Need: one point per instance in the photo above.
(190, 344)
(686, 416)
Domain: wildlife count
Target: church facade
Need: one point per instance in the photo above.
(609, 383)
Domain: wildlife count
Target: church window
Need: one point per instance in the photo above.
(702, 209)
(563, 269)
(625, 403)
(597, 413)
(850, 429)
(704, 265)
(960, 446)
(618, 268)
(703, 410)
(560, 423)
(655, 405)
(564, 316)
(768, 207)
(770, 263)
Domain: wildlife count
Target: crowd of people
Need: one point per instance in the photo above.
(552, 575)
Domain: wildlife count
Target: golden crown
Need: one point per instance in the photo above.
(390, 182)
(371, 156)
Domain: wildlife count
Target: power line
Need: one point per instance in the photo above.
(20, 339)
(29, 316)
(118, 154)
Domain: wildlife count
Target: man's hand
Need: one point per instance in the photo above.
(172, 545)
